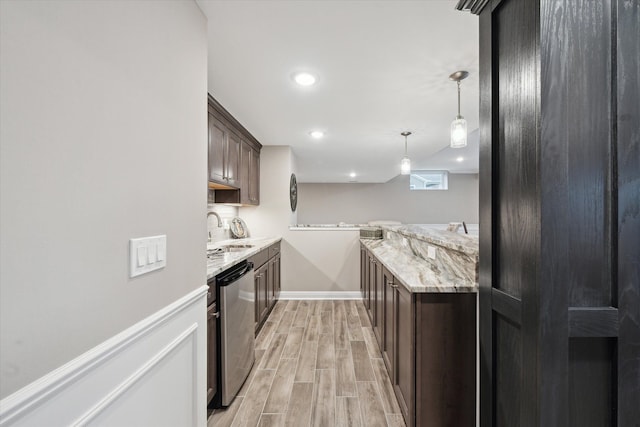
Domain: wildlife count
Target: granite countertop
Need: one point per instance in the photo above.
(414, 273)
(228, 259)
(464, 243)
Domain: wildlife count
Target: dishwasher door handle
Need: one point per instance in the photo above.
(235, 274)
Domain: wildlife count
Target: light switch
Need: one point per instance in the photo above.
(142, 256)
(162, 249)
(152, 251)
(147, 254)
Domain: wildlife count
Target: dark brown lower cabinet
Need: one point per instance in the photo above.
(428, 344)
(378, 324)
(267, 281)
(277, 283)
(261, 284)
(388, 329)
(212, 352)
(363, 269)
(403, 341)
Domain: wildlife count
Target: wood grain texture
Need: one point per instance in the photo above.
(326, 356)
(345, 374)
(293, 388)
(299, 409)
(249, 412)
(307, 362)
(445, 372)
(271, 420)
(628, 213)
(323, 409)
(488, 199)
(271, 358)
(593, 322)
(280, 390)
(361, 362)
(370, 404)
(292, 344)
(348, 412)
(590, 382)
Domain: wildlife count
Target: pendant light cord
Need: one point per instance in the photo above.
(405, 145)
(458, 98)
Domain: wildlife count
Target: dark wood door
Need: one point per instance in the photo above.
(559, 203)
(403, 374)
(372, 289)
(218, 134)
(363, 273)
(276, 276)
(232, 160)
(254, 178)
(271, 282)
(245, 177)
(379, 302)
(261, 279)
(367, 288)
(212, 352)
(388, 328)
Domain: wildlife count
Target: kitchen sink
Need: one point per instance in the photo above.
(226, 249)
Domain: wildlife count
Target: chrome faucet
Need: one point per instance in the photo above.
(217, 216)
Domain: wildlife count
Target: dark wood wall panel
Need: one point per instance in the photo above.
(516, 138)
(560, 213)
(508, 373)
(590, 382)
(588, 129)
(628, 168)
(486, 192)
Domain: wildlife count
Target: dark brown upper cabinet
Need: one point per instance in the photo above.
(234, 158)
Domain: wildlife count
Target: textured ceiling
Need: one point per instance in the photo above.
(383, 68)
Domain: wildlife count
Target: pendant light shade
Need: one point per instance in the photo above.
(405, 163)
(459, 124)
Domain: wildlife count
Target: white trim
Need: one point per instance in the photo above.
(137, 376)
(38, 392)
(325, 295)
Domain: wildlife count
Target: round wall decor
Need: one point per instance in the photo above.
(293, 192)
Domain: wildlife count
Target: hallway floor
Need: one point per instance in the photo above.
(317, 364)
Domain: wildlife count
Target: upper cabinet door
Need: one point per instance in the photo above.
(245, 165)
(233, 160)
(254, 178)
(218, 135)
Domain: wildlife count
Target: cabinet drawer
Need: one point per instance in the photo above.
(260, 258)
(274, 250)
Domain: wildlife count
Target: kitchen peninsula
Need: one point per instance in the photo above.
(419, 287)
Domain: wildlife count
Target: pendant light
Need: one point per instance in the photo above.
(405, 163)
(459, 125)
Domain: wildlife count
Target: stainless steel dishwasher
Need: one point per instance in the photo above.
(236, 295)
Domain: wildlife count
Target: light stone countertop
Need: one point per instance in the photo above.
(415, 273)
(228, 259)
(465, 243)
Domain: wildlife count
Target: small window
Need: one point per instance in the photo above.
(429, 180)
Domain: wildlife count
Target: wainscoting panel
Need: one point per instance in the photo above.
(153, 373)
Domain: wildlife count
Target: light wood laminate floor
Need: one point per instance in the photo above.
(317, 364)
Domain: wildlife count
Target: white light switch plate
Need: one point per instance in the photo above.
(147, 254)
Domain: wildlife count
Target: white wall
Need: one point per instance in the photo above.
(320, 261)
(359, 203)
(103, 138)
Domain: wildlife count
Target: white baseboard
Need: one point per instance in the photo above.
(320, 295)
(153, 373)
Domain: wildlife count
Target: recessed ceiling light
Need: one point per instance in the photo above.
(352, 174)
(459, 159)
(304, 79)
(317, 134)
